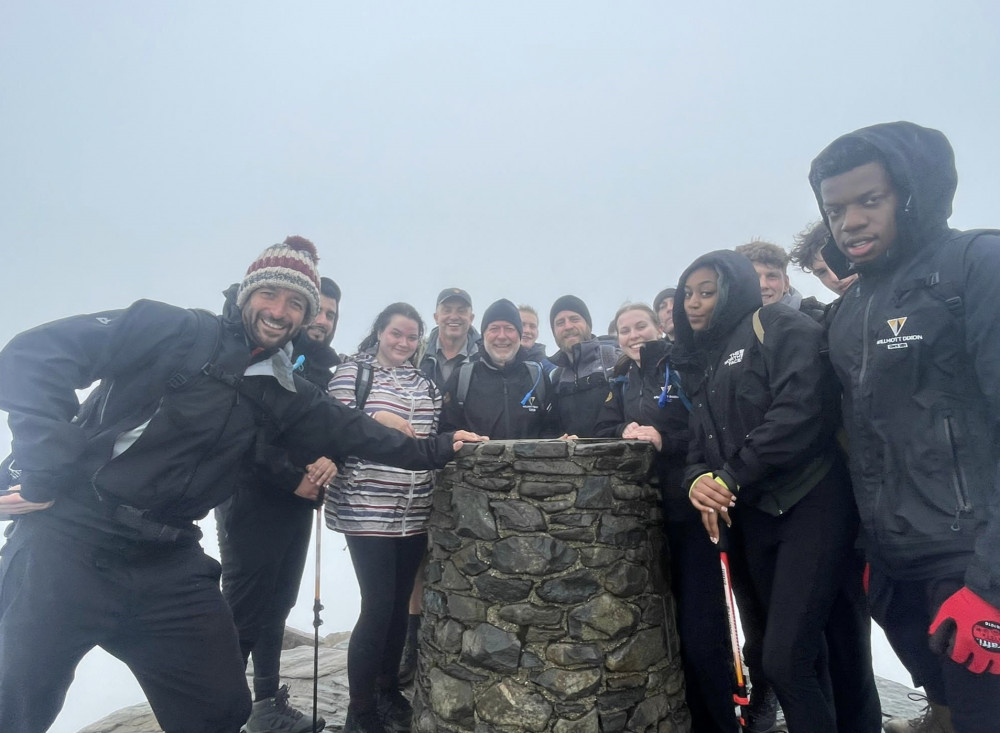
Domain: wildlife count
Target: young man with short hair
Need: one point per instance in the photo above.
(529, 337)
(916, 346)
(771, 263)
(807, 255)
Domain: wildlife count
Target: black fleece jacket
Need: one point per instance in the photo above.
(185, 460)
(916, 346)
(635, 397)
(493, 404)
(763, 411)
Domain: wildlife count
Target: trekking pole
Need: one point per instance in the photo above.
(740, 698)
(317, 621)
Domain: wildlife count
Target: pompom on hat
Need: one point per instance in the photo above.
(291, 265)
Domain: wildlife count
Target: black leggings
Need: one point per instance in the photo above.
(799, 562)
(386, 568)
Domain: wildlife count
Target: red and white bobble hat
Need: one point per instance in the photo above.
(292, 265)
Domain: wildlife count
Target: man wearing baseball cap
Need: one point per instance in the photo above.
(453, 340)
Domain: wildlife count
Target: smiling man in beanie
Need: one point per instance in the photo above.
(105, 550)
(502, 395)
(581, 382)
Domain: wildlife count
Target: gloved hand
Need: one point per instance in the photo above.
(967, 628)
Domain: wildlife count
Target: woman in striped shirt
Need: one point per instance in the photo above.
(383, 513)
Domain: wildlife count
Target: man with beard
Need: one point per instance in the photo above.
(105, 550)
(264, 534)
(581, 382)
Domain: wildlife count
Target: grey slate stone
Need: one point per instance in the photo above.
(489, 647)
(544, 489)
(566, 684)
(528, 614)
(533, 555)
(574, 587)
(472, 515)
(518, 516)
(515, 705)
(506, 590)
(642, 650)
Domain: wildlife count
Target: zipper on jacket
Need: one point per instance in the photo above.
(506, 406)
(957, 476)
(860, 397)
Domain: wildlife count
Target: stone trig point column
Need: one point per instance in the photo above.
(544, 604)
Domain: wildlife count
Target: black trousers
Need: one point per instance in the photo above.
(905, 610)
(263, 540)
(702, 623)
(160, 612)
(816, 651)
(386, 568)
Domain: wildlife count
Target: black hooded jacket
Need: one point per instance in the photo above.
(916, 346)
(763, 409)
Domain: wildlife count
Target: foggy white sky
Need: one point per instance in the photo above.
(520, 150)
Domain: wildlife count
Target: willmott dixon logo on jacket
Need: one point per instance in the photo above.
(897, 341)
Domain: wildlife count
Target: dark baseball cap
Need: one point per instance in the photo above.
(449, 293)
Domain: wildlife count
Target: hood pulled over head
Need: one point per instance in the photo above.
(920, 163)
(739, 295)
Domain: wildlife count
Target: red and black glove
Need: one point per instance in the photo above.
(967, 628)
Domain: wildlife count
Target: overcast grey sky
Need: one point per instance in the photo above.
(520, 150)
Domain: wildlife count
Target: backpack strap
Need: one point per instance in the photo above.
(758, 327)
(608, 353)
(464, 379)
(363, 384)
(537, 382)
(200, 358)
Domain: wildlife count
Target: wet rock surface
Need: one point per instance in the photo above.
(449, 694)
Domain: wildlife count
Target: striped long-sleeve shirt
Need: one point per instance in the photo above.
(371, 498)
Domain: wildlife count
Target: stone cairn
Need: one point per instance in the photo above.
(545, 608)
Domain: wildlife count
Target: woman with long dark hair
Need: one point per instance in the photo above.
(383, 513)
(763, 458)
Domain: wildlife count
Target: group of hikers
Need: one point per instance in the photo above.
(845, 454)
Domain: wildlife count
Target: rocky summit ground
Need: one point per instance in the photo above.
(297, 673)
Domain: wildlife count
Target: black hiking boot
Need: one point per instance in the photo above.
(366, 721)
(395, 710)
(762, 712)
(275, 715)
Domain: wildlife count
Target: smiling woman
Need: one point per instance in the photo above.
(383, 511)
